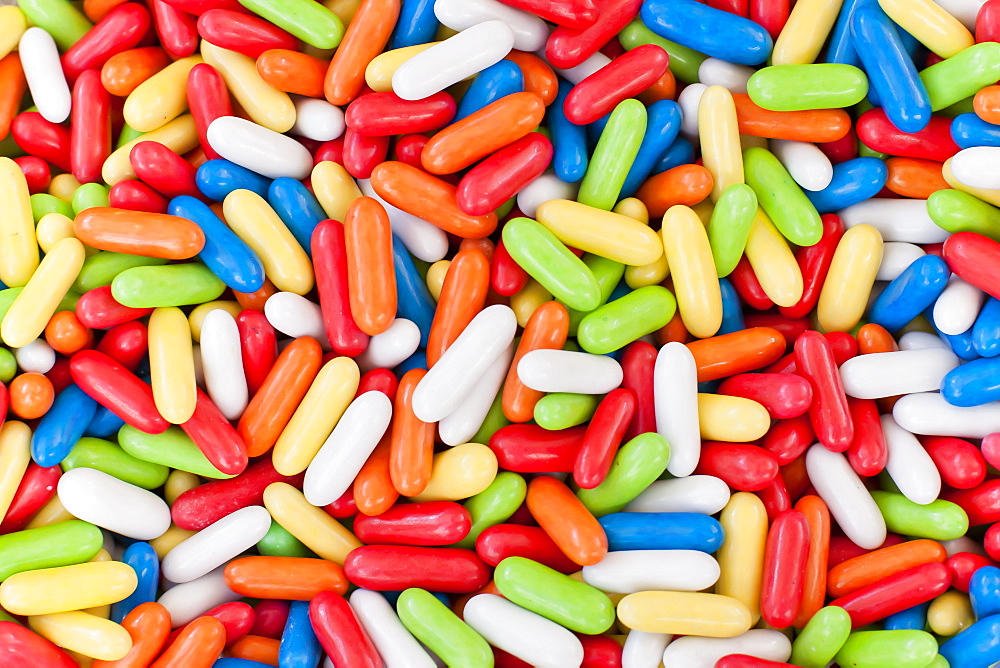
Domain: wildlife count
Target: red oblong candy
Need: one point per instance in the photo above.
(973, 258)
(259, 345)
(784, 395)
(164, 170)
(528, 448)
(624, 77)
(48, 141)
(869, 452)
(362, 153)
(120, 30)
(784, 566)
(506, 276)
(136, 196)
(600, 651)
(385, 113)
(962, 565)
(788, 439)
(602, 438)
(637, 368)
(395, 567)
(568, 47)
(20, 646)
(36, 172)
(177, 30)
(430, 523)
(117, 389)
(814, 263)
(126, 343)
(831, 419)
(747, 661)
(205, 504)
(934, 142)
(237, 618)
(502, 175)
(330, 261)
(90, 129)
(961, 463)
(243, 33)
(37, 486)
(514, 540)
(569, 13)
(379, 380)
(748, 468)
(208, 99)
(895, 593)
(270, 617)
(340, 633)
(981, 503)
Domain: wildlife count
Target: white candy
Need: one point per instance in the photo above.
(962, 544)
(37, 357)
(955, 311)
(424, 240)
(317, 119)
(929, 413)
(525, 634)
(675, 396)
(567, 371)
(920, 340)
(716, 72)
(878, 375)
(545, 188)
(897, 256)
(697, 652)
(44, 73)
(259, 149)
(576, 74)
(394, 643)
(186, 602)
(807, 165)
(976, 167)
(530, 32)
(113, 504)
(963, 10)
(216, 544)
(631, 571)
(222, 361)
(388, 349)
(909, 465)
(896, 220)
(850, 503)
(689, 100)
(295, 316)
(704, 494)
(644, 649)
(466, 420)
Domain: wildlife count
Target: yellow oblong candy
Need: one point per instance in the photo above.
(378, 74)
(696, 283)
(15, 455)
(170, 539)
(177, 483)
(720, 139)
(633, 208)
(18, 248)
(179, 135)
(26, 318)
(460, 472)
(63, 186)
(334, 188)
(51, 229)
(13, 23)
(803, 35)
(930, 24)
(160, 98)
(773, 262)
(322, 534)
(84, 633)
(255, 222)
(435, 277)
(66, 588)
(950, 613)
(605, 233)
(51, 513)
(197, 316)
(731, 419)
(525, 301)
(684, 613)
(265, 105)
(849, 281)
(648, 274)
(171, 365)
(741, 557)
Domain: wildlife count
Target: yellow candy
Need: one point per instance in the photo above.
(647, 274)
(34, 306)
(687, 613)
(435, 277)
(170, 539)
(322, 534)
(334, 188)
(160, 98)
(51, 513)
(18, 248)
(704, 209)
(66, 588)
(171, 365)
(459, 473)
(731, 419)
(329, 395)
(63, 186)
(849, 282)
(773, 262)
(265, 105)
(741, 557)
(378, 74)
(749, 141)
(344, 9)
(930, 24)
(950, 613)
(990, 196)
(51, 229)
(696, 285)
(79, 632)
(807, 28)
(634, 209)
(13, 23)
(101, 556)
(15, 455)
(603, 233)
(720, 139)
(179, 135)
(254, 221)
(197, 316)
(527, 299)
(177, 483)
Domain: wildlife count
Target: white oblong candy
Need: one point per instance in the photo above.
(704, 494)
(216, 544)
(962, 544)
(388, 349)
(807, 165)
(631, 571)
(295, 316)
(448, 62)
(965, 11)
(317, 119)
(716, 72)
(675, 397)
(698, 652)
(259, 149)
(394, 643)
(955, 311)
(530, 32)
(44, 73)
(545, 188)
(910, 467)
(897, 256)
(896, 220)
(689, 100)
(96, 497)
(977, 167)
(424, 240)
(578, 73)
(643, 649)
(928, 413)
(222, 362)
(463, 364)
(347, 448)
(37, 357)
(525, 634)
(846, 496)
(463, 423)
(186, 602)
(878, 375)
(568, 371)
(919, 340)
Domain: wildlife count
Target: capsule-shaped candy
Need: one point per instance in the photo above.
(97, 497)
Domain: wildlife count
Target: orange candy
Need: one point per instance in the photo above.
(285, 578)
(566, 520)
(373, 490)
(31, 395)
(12, 87)
(874, 338)
(95, 10)
(463, 295)
(411, 449)
(538, 76)
(149, 626)
(665, 88)
(814, 580)
(254, 301)
(913, 177)
(256, 648)
(366, 36)
(370, 273)
(123, 72)
(66, 334)
(816, 125)
(293, 72)
(198, 645)
(684, 184)
(738, 352)
(547, 328)
(139, 233)
(987, 104)
(853, 574)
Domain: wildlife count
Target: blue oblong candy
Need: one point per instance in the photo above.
(595, 130)
(104, 423)
(732, 310)
(911, 292)
(413, 300)
(233, 662)
(853, 181)
(224, 253)
(973, 384)
(968, 130)
(986, 330)
(299, 646)
(496, 81)
(569, 140)
(416, 24)
(910, 619)
(662, 126)
(297, 208)
(708, 30)
(841, 49)
(218, 178)
(662, 531)
(681, 152)
(984, 591)
(960, 344)
(417, 360)
(64, 424)
(143, 560)
(975, 647)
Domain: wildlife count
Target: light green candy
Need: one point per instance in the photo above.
(127, 135)
(494, 505)
(88, 196)
(619, 323)
(684, 62)
(608, 274)
(494, 421)
(938, 520)
(804, 87)
(822, 637)
(432, 623)
(96, 453)
(956, 211)
(8, 365)
(878, 649)
(562, 410)
(60, 544)
(44, 203)
(310, 21)
(613, 155)
(172, 448)
(101, 268)
(277, 542)
(781, 197)
(636, 465)
(59, 18)
(169, 285)
(729, 227)
(961, 76)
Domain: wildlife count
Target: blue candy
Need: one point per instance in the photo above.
(143, 560)
(417, 360)
(973, 384)
(732, 309)
(662, 531)
(416, 24)
(986, 331)
(984, 591)
(64, 425)
(681, 152)
(230, 662)
(662, 126)
(218, 178)
(297, 208)
(911, 292)
(299, 647)
(968, 130)
(496, 81)
(708, 30)
(841, 46)
(104, 423)
(853, 181)
(414, 301)
(912, 618)
(569, 140)
(976, 647)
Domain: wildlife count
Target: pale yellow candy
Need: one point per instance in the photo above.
(604, 233)
(101, 556)
(720, 139)
(731, 419)
(435, 277)
(65, 588)
(525, 301)
(53, 228)
(805, 32)
(950, 613)
(179, 135)
(179, 482)
(18, 247)
(460, 472)
(848, 284)
(989, 196)
(344, 9)
(322, 534)
(51, 513)
(13, 23)
(197, 316)
(334, 188)
(265, 105)
(653, 273)
(773, 262)
(63, 186)
(634, 209)
(79, 632)
(704, 209)
(171, 365)
(696, 283)
(15, 455)
(170, 539)
(741, 557)
(378, 74)
(930, 24)
(160, 98)
(685, 613)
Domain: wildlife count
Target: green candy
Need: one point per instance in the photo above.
(101, 268)
(613, 156)
(59, 18)
(7, 297)
(636, 465)
(495, 420)
(619, 323)
(548, 261)
(608, 274)
(877, 649)
(88, 196)
(562, 410)
(938, 520)
(494, 505)
(804, 87)
(966, 106)
(961, 76)
(8, 365)
(9, 148)
(781, 198)
(822, 637)
(684, 62)
(310, 21)
(172, 448)
(96, 453)
(168, 285)
(571, 603)
(956, 211)
(127, 135)
(44, 203)
(729, 228)
(277, 542)
(60, 544)
(432, 623)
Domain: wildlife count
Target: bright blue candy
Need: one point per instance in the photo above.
(681, 152)
(595, 130)
(911, 292)
(569, 140)
(968, 130)
(890, 69)
(973, 384)
(662, 531)
(229, 258)
(143, 560)
(299, 647)
(960, 344)
(231, 662)
(662, 126)
(853, 181)
(708, 30)
(64, 425)
(104, 423)
(416, 24)
(417, 360)
(732, 311)
(986, 331)
(297, 208)
(496, 81)
(984, 591)
(413, 301)
(218, 178)
(912, 618)
(841, 47)
(976, 646)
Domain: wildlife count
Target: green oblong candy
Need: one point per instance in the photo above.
(44, 203)
(619, 323)
(310, 21)
(608, 274)
(636, 465)
(684, 62)
(562, 410)
(574, 604)
(169, 285)
(822, 637)
(60, 544)
(172, 448)
(101, 268)
(938, 520)
(613, 155)
(961, 76)
(804, 87)
(956, 211)
(432, 623)
(494, 504)
(89, 195)
(278, 542)
(902, 648)
(96, 453)
(730, 225)
(781, 197)
(8, 365)
(127, 134)
(494, 421)
(59, 18)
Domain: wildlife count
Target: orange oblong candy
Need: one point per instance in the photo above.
(861, 571)
(547, 327)
(538, 76)
(814, 574)
(139, 233)
(12, 88)
(664, 88)
(487, 130)
(566, 520)
(874, 338)
(914, 177)
(365, 37)
(684, 184)
(293, 72)
(149, 626)
(256, 648)
(411, 445)
(198, 645)
(815, 125)
(123, 72)
(738, 352)
(284, 578)
(370, 273)
(426, 196)
(986, 104)
(373, 490)
(463, 295)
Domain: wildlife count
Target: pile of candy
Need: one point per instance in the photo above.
(500, 332)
